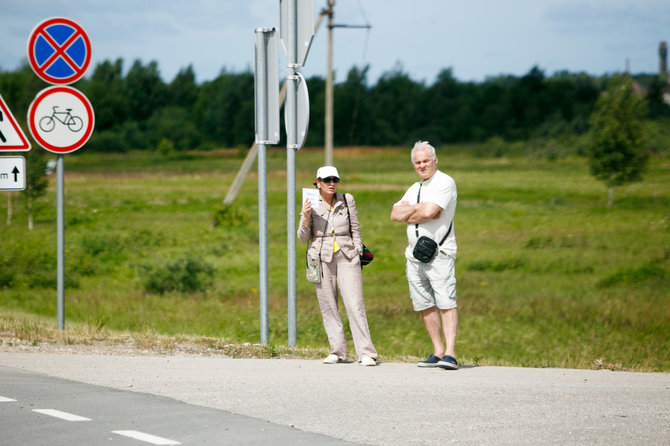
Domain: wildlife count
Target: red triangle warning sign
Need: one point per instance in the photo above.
(12, 138)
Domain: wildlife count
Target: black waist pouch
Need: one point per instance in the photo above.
(425, 249)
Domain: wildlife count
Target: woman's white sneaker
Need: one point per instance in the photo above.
(331, 359)
(368, 361)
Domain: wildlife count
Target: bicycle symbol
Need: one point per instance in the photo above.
(74, 123)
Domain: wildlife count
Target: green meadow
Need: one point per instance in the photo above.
(547, 275)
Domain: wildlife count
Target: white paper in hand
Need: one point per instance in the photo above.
(310, 194)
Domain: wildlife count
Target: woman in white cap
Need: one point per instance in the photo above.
(331, 227)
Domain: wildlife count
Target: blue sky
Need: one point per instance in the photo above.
(476, 38)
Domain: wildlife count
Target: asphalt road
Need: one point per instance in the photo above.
(47, 411)
(393, 404)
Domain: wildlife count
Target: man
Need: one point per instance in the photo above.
(428, 209)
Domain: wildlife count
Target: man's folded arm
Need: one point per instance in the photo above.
(415, 213)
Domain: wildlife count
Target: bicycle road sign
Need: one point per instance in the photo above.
(59, 51)
(61, 119)
(12, 138)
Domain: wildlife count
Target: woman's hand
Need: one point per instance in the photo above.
(306, 213)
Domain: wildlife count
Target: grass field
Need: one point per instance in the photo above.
(547, 275)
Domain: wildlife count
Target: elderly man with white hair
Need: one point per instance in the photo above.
(428, 209)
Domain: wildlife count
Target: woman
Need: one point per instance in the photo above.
(334, 235)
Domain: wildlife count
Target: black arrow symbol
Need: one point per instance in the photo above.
(16, 174)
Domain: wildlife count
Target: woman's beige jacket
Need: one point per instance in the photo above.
(327, 226)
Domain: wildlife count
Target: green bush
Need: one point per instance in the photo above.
(165, 147)
(29, 263)
(230, 215)
(634, 276)
(181, 275)
(95, 244)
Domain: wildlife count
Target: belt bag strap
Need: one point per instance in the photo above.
(348, 215)
(416, 227)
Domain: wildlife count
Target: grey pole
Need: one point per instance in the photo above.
(329, 89)
(60, 240)
(263, 242)
(292, 147)
(261, 139)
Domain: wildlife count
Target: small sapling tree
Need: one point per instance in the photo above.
(616, 153)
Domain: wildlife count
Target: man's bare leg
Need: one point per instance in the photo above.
(431, 320)
(450, 328)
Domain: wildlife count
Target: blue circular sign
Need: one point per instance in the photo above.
(59, 51)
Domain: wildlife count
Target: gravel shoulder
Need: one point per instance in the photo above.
(392, 404)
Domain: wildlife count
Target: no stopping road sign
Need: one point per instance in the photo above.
(59, 51)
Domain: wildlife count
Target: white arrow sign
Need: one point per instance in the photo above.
(12, 173)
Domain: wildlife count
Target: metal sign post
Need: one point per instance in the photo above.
(297, 30)
(60, 240)
(291, 124)
(266, 91)
(60, 118)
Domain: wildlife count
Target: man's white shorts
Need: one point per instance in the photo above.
(432, 284)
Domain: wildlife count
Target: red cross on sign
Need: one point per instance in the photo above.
(59, 51)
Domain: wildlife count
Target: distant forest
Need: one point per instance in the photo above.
(139, 111)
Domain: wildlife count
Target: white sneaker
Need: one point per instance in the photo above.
(368, 361)
(331, 359)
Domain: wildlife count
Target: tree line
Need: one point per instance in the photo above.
(137, 110)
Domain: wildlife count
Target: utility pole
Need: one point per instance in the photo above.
(329, 87)
(328, 144)
(663, 59)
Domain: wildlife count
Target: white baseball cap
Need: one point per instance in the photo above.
(327, 171)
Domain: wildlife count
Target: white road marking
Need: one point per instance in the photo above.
(146, 437)
(4, 399)
(62, 415)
